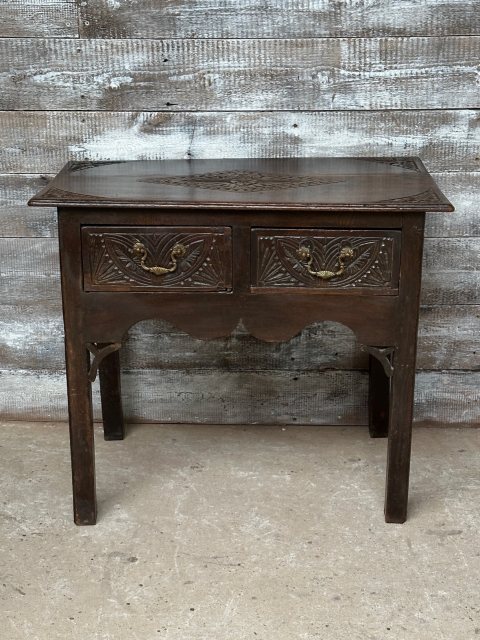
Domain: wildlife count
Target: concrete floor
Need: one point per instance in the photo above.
(236, 533)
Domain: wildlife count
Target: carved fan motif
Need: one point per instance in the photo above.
(82, 165)
(279, 264)
(113, 263)
(241, 181)
(425, 197)
(403, 163)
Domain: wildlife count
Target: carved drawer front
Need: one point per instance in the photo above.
(360, 261)
(157, 258)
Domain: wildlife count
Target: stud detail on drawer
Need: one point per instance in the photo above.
(135, 258)
(365, 260)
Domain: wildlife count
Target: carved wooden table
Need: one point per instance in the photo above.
(277, 244)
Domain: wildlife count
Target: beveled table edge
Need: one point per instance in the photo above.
(52, 196)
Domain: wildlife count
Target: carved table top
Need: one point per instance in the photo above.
(333, 184)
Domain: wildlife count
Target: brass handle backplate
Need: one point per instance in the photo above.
(305, 255)
(178, 251)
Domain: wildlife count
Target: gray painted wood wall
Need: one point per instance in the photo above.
(113, 79)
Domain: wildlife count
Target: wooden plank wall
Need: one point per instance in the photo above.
(118, 79)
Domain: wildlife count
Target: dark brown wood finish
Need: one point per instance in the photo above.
(130, 258)
(79, 387)
(378, 399)
(403, 378)
(275, 244)
(111, 396)
(356, 260)
(317, 184)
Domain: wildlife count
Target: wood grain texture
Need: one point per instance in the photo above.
(38, 18)
(36, 142)
(333, 184)
(464, 291)
(188, 258)
(451, 269)
(29, 272)
(274, 18)
(240, 75)
(19, 220)
(449, 337)
(31, 337)
(328, 257)
(463, 190)
(205, 397)
(16, 218)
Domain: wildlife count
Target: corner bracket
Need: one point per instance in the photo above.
(99, 351)
(384, 355)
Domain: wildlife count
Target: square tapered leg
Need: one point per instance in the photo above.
(110, 392)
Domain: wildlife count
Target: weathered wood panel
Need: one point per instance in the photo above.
(19, 220)
(206, 397)
(38, 18)
(276, 18)
(463, 287)
(18, 290)
(447, 398)
(240, 75)
(37, 257)
(37, 142)
(463, 189)
(451, 254)
(449, 337)
(29, 273)
(31, 337)
(451, 271)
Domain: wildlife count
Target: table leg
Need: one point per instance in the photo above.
(378, 399)
(81, 431)
(402, 383)
(399, 442)
(110, 392)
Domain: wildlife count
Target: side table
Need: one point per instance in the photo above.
(275, 243)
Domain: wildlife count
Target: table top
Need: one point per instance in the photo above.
(323, 184)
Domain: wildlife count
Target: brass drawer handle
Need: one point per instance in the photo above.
(304, 253)
(178, 251)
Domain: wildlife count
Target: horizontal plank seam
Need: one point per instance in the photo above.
(256, 110)
(77, 37)
(293, 111)
(258, 38)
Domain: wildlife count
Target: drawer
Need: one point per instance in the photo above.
(361, 261)
(157, 258)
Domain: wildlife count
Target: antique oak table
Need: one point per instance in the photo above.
(277, 244)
